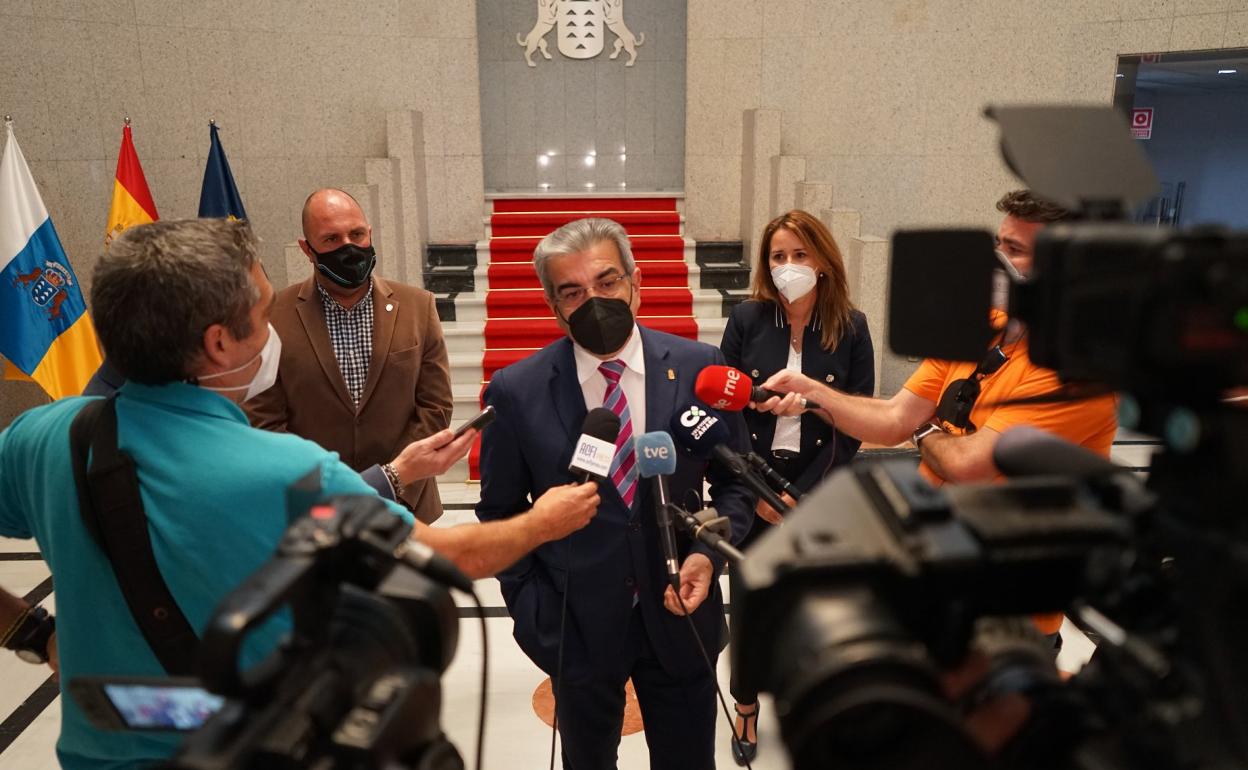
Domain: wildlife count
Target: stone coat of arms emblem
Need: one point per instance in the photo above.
(581, 28)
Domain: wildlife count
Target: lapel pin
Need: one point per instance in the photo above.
(389, 307)
(671, 374)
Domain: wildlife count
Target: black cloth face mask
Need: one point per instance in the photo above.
(601, 325)
(349, 265)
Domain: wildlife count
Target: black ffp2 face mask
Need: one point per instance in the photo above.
(601, 325)
(349, 265)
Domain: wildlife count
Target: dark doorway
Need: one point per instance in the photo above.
(1190, 112)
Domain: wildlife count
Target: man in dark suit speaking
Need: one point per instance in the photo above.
(623, 620)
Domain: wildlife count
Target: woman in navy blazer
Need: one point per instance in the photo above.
(799, 316)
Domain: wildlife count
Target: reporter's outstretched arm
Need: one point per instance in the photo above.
(482, 550)
(867, 419)
(961, 459)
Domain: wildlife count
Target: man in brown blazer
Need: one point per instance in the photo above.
(364, 368)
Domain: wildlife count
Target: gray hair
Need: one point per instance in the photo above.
(159, 286)
(578, 236)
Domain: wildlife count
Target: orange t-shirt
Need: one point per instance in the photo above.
(1091, 423)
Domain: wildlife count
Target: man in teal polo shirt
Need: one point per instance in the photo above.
(181, 308)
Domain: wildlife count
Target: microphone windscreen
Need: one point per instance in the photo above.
(656, 454)
(601, 423)
(1028, 451)
(595, 449)
(698, 429)
(723, 387)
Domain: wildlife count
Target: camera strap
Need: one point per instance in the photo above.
(959, 398)
(112, 511)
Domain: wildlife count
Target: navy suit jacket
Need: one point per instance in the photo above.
(527, 449)
(756, 341)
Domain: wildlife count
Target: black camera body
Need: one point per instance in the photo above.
(357, 684)
(881, 581)
(859, 613)
(1158, 313)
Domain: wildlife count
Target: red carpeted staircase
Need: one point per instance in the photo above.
(517, 318)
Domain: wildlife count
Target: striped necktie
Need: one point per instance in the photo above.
(624, 466)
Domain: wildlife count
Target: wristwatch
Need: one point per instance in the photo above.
(30, 634)
(924, 431)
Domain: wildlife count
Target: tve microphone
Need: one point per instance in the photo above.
(709, 527)
(596, 448)
(656, 458)
(1028, 451)
(702, 433)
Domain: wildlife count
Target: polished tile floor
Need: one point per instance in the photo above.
(515, 736)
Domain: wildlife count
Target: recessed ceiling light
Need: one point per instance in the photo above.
(1227, 72)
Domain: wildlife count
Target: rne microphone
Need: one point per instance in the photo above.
(729, 389)
(723, 387)
(595, 449)
(656, 458)
(701, 432)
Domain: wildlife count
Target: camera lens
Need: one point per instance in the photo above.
(855, 691)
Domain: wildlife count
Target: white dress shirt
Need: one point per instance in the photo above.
(632, 380)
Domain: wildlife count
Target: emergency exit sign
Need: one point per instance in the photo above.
(1142, 122)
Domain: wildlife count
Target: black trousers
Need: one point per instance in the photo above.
(678, 711)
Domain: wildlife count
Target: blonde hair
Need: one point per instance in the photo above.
(832, 303)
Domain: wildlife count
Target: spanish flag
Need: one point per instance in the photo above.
(132, 201)
(45, 332)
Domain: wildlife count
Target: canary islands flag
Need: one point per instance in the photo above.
(218, 198)
(132, 201)
(45, 331)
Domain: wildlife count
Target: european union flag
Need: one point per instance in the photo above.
(219, 196)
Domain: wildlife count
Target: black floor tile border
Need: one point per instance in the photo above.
(23, 556)
(39, 592)
(28, 712)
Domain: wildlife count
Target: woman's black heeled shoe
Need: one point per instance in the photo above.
(743, 750)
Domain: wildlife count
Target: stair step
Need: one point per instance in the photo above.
(450, 278)
(722, 252)
(600, 204)
(469, 308)
(467, 375)
(450, 254)
(724, 276)
(531, 303)
(645, 247)
(668, 273)
(540, 224)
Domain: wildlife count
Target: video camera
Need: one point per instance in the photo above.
(356, 684)
(867, 613)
